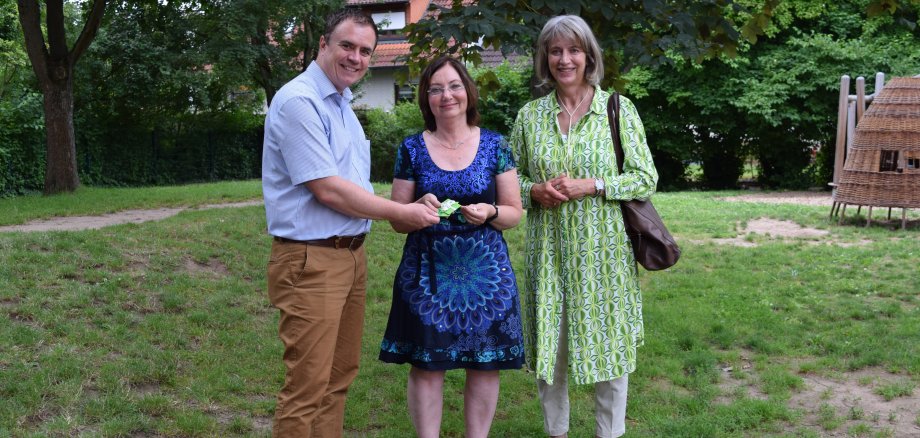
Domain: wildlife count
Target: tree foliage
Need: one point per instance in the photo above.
(263, 43)
(503, 90)
(776, 100)
(632, 33)
(152, 105)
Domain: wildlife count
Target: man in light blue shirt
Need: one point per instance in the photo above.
(319, 203)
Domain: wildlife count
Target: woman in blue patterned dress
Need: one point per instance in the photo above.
(455, 298)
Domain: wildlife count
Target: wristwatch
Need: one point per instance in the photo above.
(598, 187)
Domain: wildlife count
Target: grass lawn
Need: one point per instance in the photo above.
(164, 328)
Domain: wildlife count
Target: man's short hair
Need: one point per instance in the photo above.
(356, 15)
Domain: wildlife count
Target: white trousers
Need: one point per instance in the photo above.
(609, 397)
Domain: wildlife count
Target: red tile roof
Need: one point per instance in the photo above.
(385, 55)
(374, 2)
(394, 55)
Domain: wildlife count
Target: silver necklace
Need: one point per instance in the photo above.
(572, 112)
(456, 146)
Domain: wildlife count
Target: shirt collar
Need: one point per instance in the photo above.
(598, 102)
(324, 85)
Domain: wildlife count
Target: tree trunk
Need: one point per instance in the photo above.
(263, 69)
(53, 66)
(61, 161)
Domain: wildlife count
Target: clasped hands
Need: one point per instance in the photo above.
(554, 192)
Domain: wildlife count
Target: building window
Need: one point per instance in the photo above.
(389, 20)
(913, 163)
(889, 161)
(405, 93)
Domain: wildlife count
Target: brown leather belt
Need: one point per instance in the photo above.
(337, 242)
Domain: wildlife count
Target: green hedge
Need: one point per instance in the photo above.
(198, 148)
(22, 145)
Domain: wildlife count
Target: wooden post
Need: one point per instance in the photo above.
(860, 98)
(851, 125)
(840, 151)
(879, 83)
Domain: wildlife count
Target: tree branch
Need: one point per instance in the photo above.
(89, 30)
(29, 18)
(54, 22)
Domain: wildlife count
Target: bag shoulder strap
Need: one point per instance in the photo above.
(613, 117)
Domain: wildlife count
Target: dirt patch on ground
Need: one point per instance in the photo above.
(854, 399)
(77, 223)
(802, 198)
(213, 267)
(779, 229)
(840, 405)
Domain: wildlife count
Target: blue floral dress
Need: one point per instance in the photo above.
(455, 298)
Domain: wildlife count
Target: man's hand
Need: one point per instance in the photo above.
(416, 215)
(430, 200)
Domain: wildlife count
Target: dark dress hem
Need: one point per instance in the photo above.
(399, 359)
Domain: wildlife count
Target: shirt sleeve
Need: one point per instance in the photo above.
(402, 168)
(639, 178)
(305, 144)
(519, 148)
(504, 157)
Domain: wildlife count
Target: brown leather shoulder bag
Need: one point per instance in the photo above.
(653, 246)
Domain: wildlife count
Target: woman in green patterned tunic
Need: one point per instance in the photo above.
(581, 304)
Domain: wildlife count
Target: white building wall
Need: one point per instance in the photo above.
(377, 90)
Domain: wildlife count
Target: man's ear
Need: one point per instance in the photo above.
(322, 42)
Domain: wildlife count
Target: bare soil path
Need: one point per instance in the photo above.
(77, 223)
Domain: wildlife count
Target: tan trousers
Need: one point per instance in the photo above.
(609, 397)
(320, 293)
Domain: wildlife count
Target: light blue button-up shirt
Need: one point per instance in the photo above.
(311, 132)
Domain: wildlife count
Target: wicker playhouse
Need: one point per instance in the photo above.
(881, 157)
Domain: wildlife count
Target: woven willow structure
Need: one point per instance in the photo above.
(882, 166)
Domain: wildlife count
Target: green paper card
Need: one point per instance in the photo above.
(448, 206)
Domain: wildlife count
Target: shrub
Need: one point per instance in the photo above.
(503, 91)
(22, 145)
(386, 131)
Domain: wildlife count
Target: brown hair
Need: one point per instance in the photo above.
(424, 84)
(355, 15)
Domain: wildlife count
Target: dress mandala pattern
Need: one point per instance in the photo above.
(455, 298)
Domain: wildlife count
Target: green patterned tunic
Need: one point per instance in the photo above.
(578, 253)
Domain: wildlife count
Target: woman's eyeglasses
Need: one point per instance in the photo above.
(453, 88)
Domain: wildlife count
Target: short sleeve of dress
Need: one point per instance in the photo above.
(504, 156)
(402, 168)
